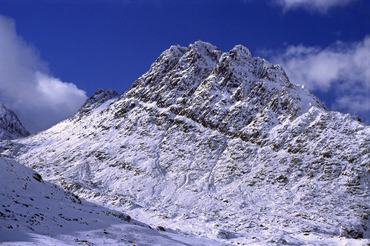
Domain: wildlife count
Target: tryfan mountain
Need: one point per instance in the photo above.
(218, 144)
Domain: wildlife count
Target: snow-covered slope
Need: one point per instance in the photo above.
(10, 126)
(36, 212)
(215, 143)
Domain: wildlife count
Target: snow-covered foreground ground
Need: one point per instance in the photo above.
(36, 212)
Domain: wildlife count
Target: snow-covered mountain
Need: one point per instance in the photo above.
(10, 126)
(217, 144)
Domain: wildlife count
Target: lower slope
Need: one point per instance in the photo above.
(36, 212)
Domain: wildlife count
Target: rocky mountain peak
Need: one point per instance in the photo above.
(202, 47)
(10, 125)
(173, 53)
(100, 96)
(96, 99)
(240, 51)
(232, 92)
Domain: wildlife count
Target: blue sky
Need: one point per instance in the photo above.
(72, 48)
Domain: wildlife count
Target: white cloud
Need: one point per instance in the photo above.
(314, 5)
(357, 104)
(319, 68)
(26, 87)
(342, 68)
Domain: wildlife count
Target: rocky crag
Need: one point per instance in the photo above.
(10, 125)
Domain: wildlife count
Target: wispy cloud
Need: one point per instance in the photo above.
(320, 68)
(340, 67)
(312, 5)
(354, 103)
(39, 99)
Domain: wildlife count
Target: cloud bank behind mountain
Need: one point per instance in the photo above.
(340, 68)
(26, 86)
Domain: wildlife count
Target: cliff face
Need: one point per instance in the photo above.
(221, 141)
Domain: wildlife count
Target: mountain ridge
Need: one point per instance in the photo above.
(240, 86)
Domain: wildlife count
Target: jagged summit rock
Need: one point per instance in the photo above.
(224, 91)
(10, 125)
(219, 141)
(99, 97)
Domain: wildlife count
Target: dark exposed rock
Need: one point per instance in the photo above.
(10, 125)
